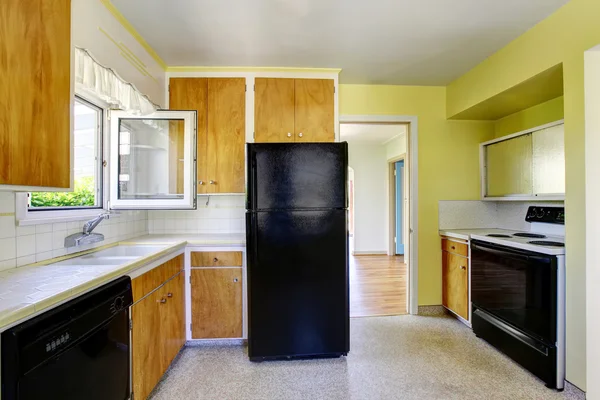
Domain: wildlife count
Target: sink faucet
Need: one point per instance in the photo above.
(87, 237)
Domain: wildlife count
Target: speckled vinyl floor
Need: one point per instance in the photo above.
(403, 357)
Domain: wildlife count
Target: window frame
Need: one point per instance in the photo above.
(27, 215)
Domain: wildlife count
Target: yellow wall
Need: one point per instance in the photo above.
(541, 114)
(562, 37)
(448, 161)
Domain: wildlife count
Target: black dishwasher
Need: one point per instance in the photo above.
(79, 350)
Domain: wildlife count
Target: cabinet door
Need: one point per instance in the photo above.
(510, 167)
(455, 283)
(226, 135)
(173, 318)
(35, 105)
(192, 94)
(217, 303)
(273, 110)
(147, 349)
(314, 119)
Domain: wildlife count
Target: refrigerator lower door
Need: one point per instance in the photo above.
(297, 284)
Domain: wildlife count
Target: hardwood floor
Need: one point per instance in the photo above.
(377, 286)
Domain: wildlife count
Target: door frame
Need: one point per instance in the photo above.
(392, 204)
(412, 163)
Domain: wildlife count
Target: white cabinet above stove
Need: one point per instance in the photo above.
(528, 165)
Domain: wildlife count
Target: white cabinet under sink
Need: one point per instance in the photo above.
(528, 165)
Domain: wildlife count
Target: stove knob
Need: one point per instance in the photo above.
(540, 213)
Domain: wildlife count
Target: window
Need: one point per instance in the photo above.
(87, 165)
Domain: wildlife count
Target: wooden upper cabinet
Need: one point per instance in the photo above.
(274, 110)
(314, 119)
(225, 151)
(35, 100)
(192, 94)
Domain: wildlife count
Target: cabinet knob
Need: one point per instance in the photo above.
(235, 280)
(162, 301)
(169, 294)
(300, 134)
(200, 182)
(212, 182)
(463, 268)
(215, 259)
(289, 134)
(453, 248)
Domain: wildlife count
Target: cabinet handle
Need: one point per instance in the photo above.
(162, 301)
(169, 294)
(300, 134)
(289, 134)
(215, 259)
(463, 268)
(200, 182)
(212, 182)
(235, 280)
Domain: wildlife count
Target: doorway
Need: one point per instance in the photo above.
(378, 276)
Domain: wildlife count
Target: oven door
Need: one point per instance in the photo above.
(516, 286)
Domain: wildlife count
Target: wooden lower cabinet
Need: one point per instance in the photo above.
(158, 333)
(217, 311)
(455, 283)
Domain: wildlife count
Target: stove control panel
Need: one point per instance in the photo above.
(548, 215)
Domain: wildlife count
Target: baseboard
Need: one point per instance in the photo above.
(432, 311)
(369, 253)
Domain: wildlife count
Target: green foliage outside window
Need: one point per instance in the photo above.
(83, 195)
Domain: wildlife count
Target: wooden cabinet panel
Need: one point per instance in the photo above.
(152, 279)
(455, 283)
(273, 110)
(217, 259)
(35, 100)
(192, 94)
(225, 152)
(173, 318)
(455, 247)
(314, 110)
(217, 303)
(147, 350)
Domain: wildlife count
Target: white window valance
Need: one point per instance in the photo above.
(104, 83)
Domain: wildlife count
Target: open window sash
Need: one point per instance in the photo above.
(153, 160)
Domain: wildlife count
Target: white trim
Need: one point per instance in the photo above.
(513, 197)
(413, 195)
(370, 253)
(250, 76)
(189, 170)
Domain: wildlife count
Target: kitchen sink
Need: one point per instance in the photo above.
(118, 255)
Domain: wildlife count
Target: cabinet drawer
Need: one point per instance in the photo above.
(455, 247)
(144, 284)
(217, 259)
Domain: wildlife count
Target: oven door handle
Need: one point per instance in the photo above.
(501, 252)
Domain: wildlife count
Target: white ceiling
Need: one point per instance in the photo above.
(409, 42)
(370, 133)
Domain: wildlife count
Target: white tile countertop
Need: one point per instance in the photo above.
(465, 234)
(29, 290)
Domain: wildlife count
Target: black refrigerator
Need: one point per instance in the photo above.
(297, 250)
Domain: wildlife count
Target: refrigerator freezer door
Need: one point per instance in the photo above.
(283, 176)
(298, 284)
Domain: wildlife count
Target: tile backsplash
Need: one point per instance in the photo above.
(487, 214)
(222, 214)
(22, 245)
